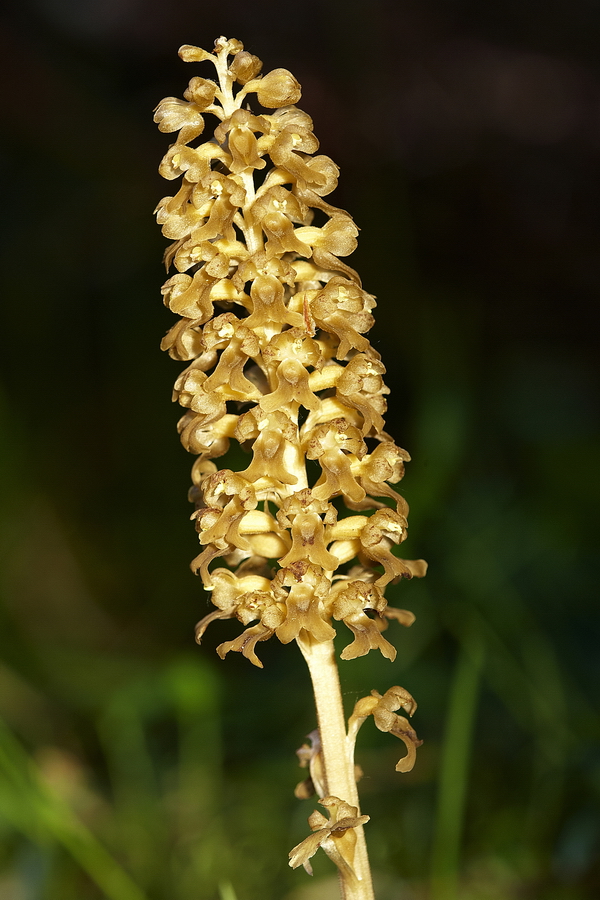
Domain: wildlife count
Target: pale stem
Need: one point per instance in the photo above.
(337, 758)
(252, 233)
(225, 82)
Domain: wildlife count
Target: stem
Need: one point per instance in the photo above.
(337, 760)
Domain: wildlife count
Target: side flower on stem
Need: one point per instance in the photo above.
(273, 328)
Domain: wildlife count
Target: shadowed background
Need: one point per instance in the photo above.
(135, 765)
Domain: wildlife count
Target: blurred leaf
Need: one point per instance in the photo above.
(34, 809)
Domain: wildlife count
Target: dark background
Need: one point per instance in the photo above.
(135, 765)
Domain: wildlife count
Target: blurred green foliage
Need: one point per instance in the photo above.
(134, 765)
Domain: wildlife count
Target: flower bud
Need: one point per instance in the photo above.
(201, 91)
(245, 66)
(189, 53)
(275, 89)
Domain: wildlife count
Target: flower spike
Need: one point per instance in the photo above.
(272, 326)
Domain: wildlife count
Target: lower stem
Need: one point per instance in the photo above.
(337, 760)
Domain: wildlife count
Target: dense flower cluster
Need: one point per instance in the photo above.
(272, 326)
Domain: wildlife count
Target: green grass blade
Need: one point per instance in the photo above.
(226, 891)
(35, 810)
(454, 770)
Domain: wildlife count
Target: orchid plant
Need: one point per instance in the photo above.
(272, 327)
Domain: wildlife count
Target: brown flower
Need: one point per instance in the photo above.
(382, 708)
(335, 835)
